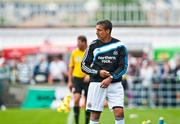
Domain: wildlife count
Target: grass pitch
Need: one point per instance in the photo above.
(48, 116)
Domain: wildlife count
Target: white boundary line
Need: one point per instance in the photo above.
(70, 117)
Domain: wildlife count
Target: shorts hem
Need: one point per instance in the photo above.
(91, 110)
(117, 107)
(77, 92)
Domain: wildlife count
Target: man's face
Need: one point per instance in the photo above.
(81, 45)
(101, 32)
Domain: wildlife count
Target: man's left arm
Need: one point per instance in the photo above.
(123, 64)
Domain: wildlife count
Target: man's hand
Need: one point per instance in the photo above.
(104, 74)
(105, 83)
(86, 79)
(70, 85)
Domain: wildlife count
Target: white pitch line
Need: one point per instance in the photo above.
(70, 117)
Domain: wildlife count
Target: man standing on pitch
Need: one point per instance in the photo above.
(77, 80)
(105, 61)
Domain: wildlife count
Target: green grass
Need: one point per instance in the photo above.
(171, 116)
(136, 116)
(32, 116)
(47, 116)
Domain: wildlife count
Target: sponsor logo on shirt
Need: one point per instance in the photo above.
(106, 59)
(115, 52)
(89, 105)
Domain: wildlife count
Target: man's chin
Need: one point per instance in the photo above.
(99, 38)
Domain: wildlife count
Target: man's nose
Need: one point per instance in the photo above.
(96, 32)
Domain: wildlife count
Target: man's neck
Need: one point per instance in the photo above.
(82, 49)
(107, 39)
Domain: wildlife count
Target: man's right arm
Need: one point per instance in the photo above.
(87, 61)
(70, 72)
(70, 84)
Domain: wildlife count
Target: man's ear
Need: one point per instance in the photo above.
(108, 31)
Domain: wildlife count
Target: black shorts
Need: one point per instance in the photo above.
(80, 85)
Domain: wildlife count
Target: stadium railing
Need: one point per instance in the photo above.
(161, 92)
(67, 14)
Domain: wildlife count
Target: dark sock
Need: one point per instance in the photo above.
(76, 114)
(87, 117)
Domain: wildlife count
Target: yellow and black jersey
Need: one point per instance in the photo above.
(75, 63)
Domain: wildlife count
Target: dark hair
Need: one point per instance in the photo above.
(106, 24)
(82, 38)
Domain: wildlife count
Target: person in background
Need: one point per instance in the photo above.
(57, 71)
(4, 81)
(177, 69)
(106, 62)
(24, 71)
(76, 78)
(41, 71)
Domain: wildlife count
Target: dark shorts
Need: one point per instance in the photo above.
(80, 85)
